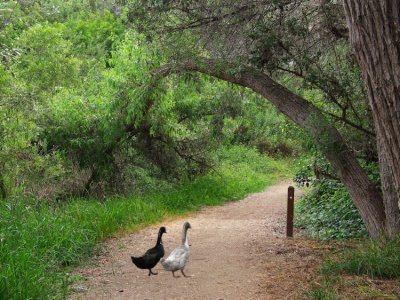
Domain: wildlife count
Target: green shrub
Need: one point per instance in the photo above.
(327, 212)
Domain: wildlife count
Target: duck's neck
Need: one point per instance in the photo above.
(159, 241)
(185, 241)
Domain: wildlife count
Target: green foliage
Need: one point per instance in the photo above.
(242, 157)
(80, 127)
(44, 68)
(87, 116)
(5, 83)
(327, 212)
(374, 258)
(372, 170)
(22, 169)
(38, 241)
(94, 34)
(262, 126)
(46, 63)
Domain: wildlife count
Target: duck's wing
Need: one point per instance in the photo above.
(150, 258)
(176, 260)
(150, 254)
(177, 254)
(157, 250)
(155, 253)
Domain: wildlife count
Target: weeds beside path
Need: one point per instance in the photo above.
(239, 251)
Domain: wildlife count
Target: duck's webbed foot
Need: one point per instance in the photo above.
(183, 273)
(152, 273)
(173, 274)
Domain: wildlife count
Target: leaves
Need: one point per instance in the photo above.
(327, 212)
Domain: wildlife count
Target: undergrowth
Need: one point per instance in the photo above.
(323, 291)
(348, 273)
(39, 243)
(327, 212)
(377, 259)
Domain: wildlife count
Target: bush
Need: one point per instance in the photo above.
(327, 212)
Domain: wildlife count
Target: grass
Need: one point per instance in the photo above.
(377, 259)
(369, 269)
(39, 244)
(323, 291)
(352, 287)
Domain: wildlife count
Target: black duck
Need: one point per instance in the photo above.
(152, 256)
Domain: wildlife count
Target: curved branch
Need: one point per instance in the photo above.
(363, 192)
(287, 102)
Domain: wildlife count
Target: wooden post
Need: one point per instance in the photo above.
(290, 212)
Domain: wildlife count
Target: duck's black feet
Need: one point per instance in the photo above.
(152, 273)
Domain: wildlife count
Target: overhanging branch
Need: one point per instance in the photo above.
(363, 192)
(295, 107)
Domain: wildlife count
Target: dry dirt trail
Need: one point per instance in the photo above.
(238, 251)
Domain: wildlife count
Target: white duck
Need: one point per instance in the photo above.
(179, 256)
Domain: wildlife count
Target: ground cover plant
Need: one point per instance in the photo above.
(326, 212)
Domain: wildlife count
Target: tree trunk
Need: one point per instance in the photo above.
(375, 36)
(390, 198)
(363, 193)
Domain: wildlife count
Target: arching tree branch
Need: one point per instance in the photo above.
(364, 194)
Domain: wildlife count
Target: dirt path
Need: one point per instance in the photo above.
(238, 251)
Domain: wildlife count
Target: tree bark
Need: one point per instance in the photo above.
(390, 198)
(364, 194)
(374, 27)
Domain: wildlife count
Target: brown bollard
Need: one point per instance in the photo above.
(290, 212)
